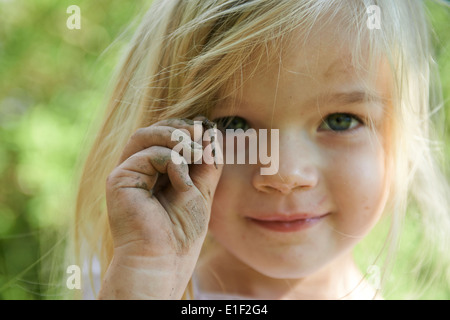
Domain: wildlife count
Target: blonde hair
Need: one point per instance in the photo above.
(185, 54)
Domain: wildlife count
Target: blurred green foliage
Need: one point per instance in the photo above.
(53, 81)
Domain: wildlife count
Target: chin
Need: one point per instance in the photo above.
(289, 269)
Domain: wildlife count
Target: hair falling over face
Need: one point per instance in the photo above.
(187, 56)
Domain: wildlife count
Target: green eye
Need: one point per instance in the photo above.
(340, 122)
(232, 123)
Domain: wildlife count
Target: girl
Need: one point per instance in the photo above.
(345, 83)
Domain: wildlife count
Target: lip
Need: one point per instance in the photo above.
(287, 223)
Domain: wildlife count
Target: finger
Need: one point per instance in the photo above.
(164, 136)
(206, 175)
(193, 126)
(142, 170)
(199, 118)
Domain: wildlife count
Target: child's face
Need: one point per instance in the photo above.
(332, 164)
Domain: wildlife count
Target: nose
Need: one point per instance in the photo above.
(299, 164)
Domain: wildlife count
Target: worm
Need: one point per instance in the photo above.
(211, 125)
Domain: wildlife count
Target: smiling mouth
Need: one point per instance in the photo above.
(287, 224)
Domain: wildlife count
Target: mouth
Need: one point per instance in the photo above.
(282, 223)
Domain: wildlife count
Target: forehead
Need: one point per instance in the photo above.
(322, 53)
(305, 68)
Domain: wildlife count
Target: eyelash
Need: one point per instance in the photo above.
(224, 122)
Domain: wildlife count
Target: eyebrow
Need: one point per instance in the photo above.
(338, 98)
(345, 98)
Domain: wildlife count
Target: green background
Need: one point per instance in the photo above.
(52, 82)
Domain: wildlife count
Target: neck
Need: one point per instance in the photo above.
(221, 272)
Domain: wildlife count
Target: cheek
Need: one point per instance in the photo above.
(231, 187)
(359, 191)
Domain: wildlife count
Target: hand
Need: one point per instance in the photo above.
(159, 213)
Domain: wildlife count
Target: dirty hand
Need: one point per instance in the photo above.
(159, 209)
